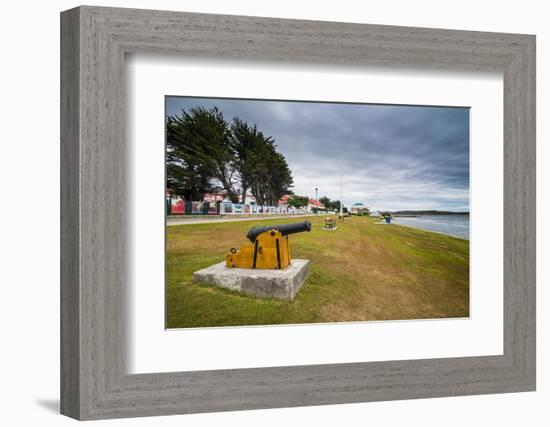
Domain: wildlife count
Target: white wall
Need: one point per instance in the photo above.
(29, 226)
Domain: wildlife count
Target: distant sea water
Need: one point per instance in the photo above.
(453, 225)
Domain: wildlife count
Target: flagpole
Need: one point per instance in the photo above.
(341, 186)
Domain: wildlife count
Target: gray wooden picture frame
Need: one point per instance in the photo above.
(94, 381)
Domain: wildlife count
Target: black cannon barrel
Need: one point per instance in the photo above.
(285, 229)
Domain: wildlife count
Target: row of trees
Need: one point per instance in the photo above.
(301, 201)
(297, 201)
(205, 154)
(331, 205)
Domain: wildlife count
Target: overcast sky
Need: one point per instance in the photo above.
(391, 157)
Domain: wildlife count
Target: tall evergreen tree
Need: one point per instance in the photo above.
(200, 152)
(245, 142)
(271, 176)
(204, 151)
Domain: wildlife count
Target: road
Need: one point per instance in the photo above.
(192, 220)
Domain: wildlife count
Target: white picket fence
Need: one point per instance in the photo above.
(179, 207)
(228, 208)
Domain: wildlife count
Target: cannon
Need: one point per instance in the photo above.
(269, 247)
(330, 224)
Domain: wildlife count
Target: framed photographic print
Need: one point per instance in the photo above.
(263, 172)
(261, 213)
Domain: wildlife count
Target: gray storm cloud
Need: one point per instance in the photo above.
(390, 157)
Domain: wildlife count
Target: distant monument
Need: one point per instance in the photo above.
(330, 224)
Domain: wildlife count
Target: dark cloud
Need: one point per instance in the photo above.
(391, 157)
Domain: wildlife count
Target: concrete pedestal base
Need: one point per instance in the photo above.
(281, 284)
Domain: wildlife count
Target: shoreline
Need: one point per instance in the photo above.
(431, 231)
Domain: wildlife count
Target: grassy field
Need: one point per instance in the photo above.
(362, 271)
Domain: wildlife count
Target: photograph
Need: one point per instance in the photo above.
(300, 212)
(293, 213)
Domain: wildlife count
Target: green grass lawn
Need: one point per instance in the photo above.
(362, 271)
